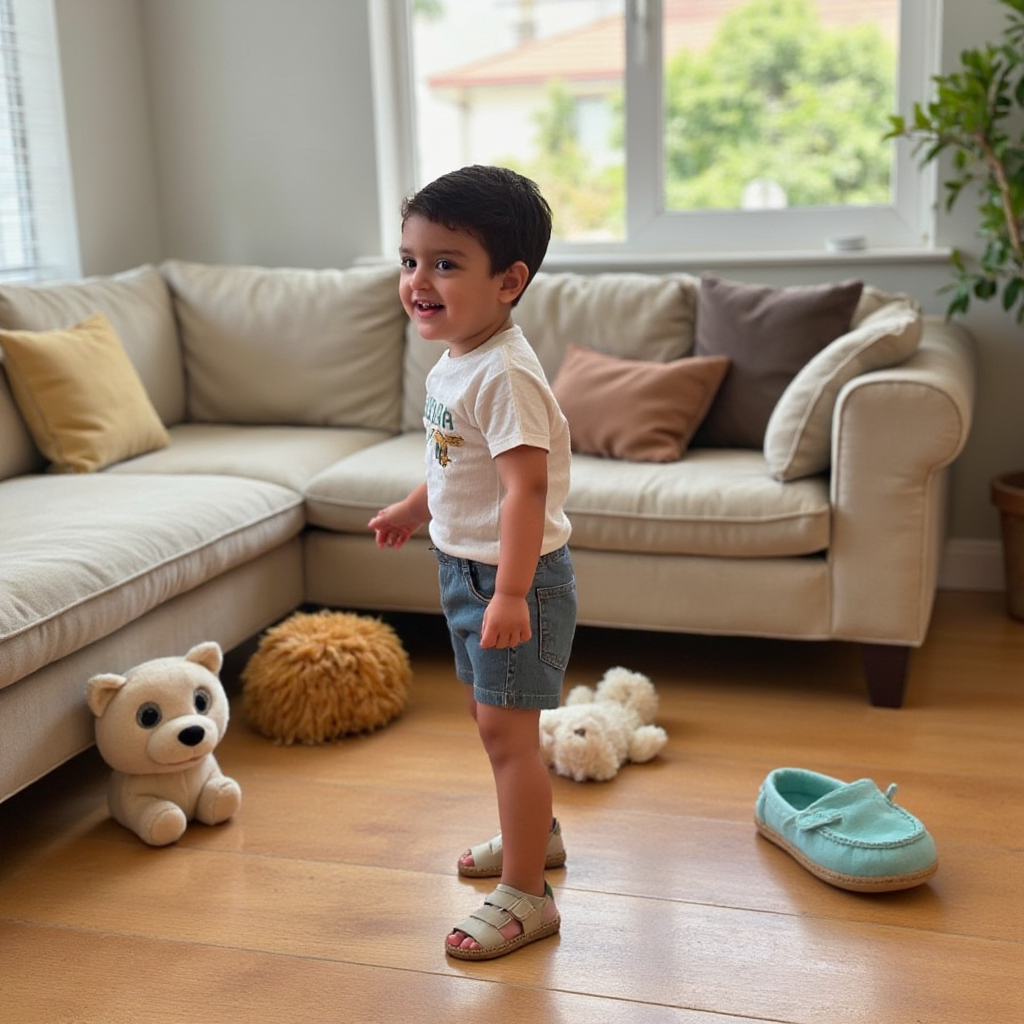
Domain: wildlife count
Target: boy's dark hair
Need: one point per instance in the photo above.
(501, 209)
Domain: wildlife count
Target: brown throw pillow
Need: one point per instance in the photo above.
(768, 334)
(632, 409)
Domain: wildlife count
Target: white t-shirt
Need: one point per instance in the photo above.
(479, 405)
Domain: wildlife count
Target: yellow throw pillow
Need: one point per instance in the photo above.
(80, 396)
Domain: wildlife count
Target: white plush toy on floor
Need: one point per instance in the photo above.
(157, 726)
(598, 730)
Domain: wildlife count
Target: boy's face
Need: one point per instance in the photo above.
(447, 287)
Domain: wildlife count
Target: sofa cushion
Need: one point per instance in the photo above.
(289, 456)
(636, 316)
(635, 409)
(84, 555)
(136, 302)
(710, 503)
(80, 395)
(798, 440)
(769, 334)
(347, 494)
(283, 346)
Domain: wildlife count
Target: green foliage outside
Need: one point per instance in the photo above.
(779, 96)
(776, 95)
(432, 9)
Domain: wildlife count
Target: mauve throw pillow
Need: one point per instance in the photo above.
(633, 409)
(768, 335)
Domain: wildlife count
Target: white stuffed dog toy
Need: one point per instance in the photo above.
(157, 726)
(597, 731)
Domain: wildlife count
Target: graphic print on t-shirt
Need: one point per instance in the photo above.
(442, 442)
(440, 430)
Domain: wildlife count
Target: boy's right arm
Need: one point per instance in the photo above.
(395, 524)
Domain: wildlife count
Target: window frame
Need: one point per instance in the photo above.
(907, 223)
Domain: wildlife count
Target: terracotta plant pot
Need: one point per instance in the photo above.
(1008, 497)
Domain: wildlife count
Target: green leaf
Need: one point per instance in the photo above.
(985, 288)
(1012, 292)
(898, 124)
(960, 303)
(954, 189)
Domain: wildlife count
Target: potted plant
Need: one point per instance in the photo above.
(977, 115)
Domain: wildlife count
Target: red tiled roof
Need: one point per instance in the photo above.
(596, 51)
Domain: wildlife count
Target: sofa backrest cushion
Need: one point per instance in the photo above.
(630, 315)
(18, 453)
(138, 305)
(872, 299)
(798, 441)
(290, 346)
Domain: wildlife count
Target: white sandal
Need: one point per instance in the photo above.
(487, 857)
(503, 905)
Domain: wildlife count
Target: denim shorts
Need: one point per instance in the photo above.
(529, 675)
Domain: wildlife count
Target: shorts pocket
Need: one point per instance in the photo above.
(481, 579)
(556, 623)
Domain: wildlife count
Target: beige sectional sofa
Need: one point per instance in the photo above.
(292, 402)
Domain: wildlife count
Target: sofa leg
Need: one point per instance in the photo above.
(885, 669)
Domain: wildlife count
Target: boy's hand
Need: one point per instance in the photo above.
(506, 622)
(395, 524)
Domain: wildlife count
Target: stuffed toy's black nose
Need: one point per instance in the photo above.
(192, 736)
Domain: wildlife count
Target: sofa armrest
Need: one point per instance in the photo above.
(894, 432)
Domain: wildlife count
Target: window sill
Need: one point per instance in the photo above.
(698, 261)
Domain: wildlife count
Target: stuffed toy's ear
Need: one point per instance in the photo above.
(207, 654)
(580, 695)
(100, 691)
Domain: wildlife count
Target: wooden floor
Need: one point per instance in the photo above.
(328, 897)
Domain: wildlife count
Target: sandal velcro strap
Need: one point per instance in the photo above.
(522, 906)
(502, 906)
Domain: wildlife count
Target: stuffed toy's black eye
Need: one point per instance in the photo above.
(149, 715)
(202, 701)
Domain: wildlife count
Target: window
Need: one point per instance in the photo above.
(37, 225)
(659, 126)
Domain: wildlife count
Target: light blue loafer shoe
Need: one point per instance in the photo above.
(850, 835)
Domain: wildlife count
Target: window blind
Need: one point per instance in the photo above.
(37, 225)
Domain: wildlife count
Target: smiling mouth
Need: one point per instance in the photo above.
(428, 307)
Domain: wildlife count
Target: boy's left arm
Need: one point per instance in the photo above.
(524, 474)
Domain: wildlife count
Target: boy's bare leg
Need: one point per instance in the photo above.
(511, 737)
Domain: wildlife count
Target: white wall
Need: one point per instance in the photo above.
(110, 137)
(260, 130)
(264, 132)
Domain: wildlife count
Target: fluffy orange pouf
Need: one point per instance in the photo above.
(316, 677)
